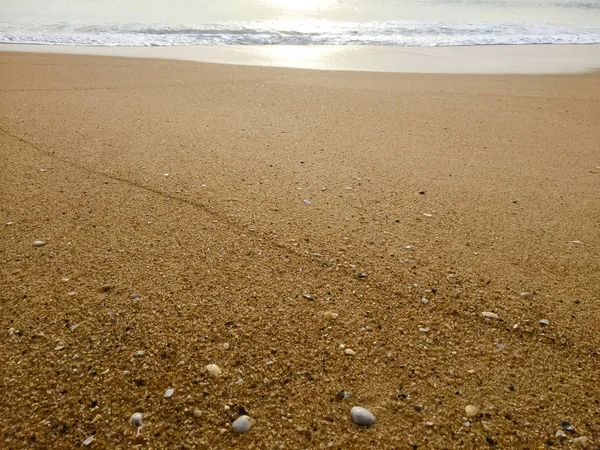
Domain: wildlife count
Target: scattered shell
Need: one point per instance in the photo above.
(527, 294)
(429, 424)
(471, 411)
(88, 441)
(363, 275)
(97, 418)
(39, 244)
(197, 413)
(75, 326)
(9, 223)
(306, 202)
(242, 424)
(349, 352)
(544, 322)
(169, 393)
(308, 297)
(424, 330)
(43, 170)
(59, 347)
(362, 416)
(489, 315)
(428, 215)
(214, 370)
(582, 441)
(576, 242)
(330, 315)
(408, 247)
(136, 419)
(560, 434)
(165, 174)
(226, 346)
(269, 363)
(424, 301)
(139, 353)
(567, 426)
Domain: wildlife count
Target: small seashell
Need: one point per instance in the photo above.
(349, 352)
(544, 322)
(306, 202)
(197, 413)
(424, 330)
(308, 297)
(39, 243)
(489, 315)
(88, 441)
(330, 315)
(362, 416)
(214, 370)
(136, 419)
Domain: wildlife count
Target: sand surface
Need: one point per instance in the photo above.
(464, 190)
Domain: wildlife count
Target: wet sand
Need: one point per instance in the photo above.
(242, 203)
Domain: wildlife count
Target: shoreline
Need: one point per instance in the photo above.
(492, 59)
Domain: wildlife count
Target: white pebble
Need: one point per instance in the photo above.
(424, 301)
(330, 315)
(560, 434)
(424, 330)
(88, 441)
(226, 346)
(197, 413)
(169, 393)
(544, 322)
(471, 411)
(362, 416)
(39, 243)
(242, 424)
(526, 295)
(349, 352)
(489, 315)
(136, 419)
(214, 370)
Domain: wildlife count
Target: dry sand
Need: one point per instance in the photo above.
(493, 181)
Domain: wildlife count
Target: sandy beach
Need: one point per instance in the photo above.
(190, 214)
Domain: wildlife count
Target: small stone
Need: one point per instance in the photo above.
(43, 170)
(169, 393)
(576, 242)
(308, 297)
(500, 347)
(408, 247)
(349, 352)
(214, 370)
(489, 315)
(59, 347)
(581, 441)
(330, 315)
(97, 418)
(197, 413)
(467, 424)
(526, 294)
(471, 411)
(88, 441)
(139, 353)
(226, 346)
(363, 275)
(107, 287)
(560, 434)
(544, 322)
(424, 301)
(429, 424)
(306, 202)
(362, 416)
(428, 215)
(423, 330)
(165, 174)
(75, 326)
(9, 223)
(242, 424)
(269, 363)
(39, 243)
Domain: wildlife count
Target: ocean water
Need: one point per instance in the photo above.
(419, 23)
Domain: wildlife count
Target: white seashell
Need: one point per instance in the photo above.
(214, 370)
(489, 315)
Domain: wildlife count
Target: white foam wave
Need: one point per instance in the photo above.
(405, 33)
